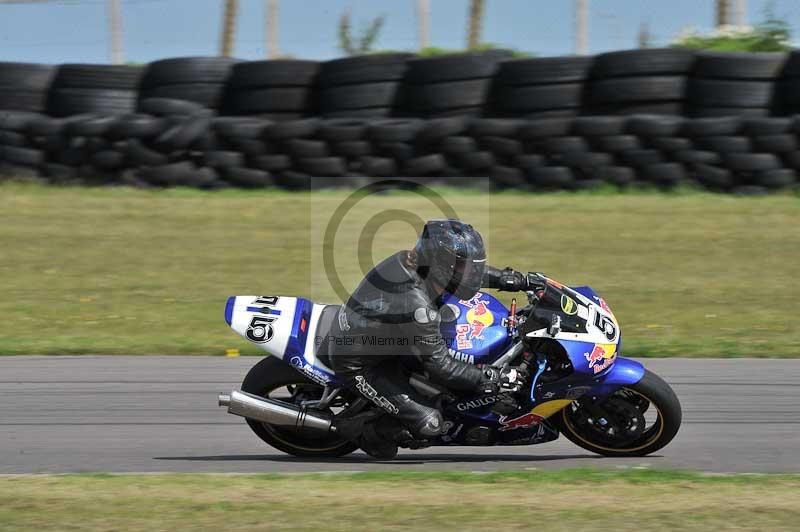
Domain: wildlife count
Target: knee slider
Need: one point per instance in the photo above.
(431, 425)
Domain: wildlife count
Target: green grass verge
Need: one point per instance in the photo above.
(563, 500)
(122, 271)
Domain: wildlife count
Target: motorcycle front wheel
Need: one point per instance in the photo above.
(274, 379)
(635, 420)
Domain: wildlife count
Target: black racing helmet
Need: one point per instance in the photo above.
(451, 254)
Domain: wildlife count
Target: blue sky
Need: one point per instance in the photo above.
(76, 31)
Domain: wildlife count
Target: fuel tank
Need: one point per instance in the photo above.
(473, 329)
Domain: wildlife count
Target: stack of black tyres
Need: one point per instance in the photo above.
(498, 139)
(295, 154)
(394, 146)
(368, 86)
(560, 153)
(545, 140)
(437, 149)
(171, 149)
(201, 80)
(282, 89)
(241, 150)
(23, 97)
(105, 89)
(18, 155)
(651, 81)
(655, 160)
(160, 146)
(24, 86)
(451, 85)
(540, 87)
(788, 101)
(83, 150)
(752, 154)
(735, 84)
(590, 160)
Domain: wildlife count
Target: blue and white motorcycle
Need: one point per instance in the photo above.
(568, 338)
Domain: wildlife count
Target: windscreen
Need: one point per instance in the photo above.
(558, 300)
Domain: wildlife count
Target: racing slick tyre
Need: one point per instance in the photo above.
(275, 379)
(618, 426)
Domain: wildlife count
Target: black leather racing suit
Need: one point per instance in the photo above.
(393, 313)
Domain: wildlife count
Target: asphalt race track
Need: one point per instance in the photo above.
(124, 414)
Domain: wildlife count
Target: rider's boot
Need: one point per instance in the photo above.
(374, 436)
(405, 439)
(374, 441)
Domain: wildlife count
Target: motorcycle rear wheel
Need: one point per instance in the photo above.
(616, 426)
(273, 378)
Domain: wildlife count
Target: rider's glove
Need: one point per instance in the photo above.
(512, 281)
(503, 380)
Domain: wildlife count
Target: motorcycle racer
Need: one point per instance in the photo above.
(395, 312)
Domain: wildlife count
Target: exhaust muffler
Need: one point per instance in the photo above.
(274, 412)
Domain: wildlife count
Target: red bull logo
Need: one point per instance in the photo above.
(480, 308)
(473, 301)
(520, 422)
(601, 357)
(479, 317)
(462, 342)
(476, 330)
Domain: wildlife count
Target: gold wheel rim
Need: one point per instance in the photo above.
(649, 442)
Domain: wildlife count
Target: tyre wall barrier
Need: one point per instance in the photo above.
(660, 117)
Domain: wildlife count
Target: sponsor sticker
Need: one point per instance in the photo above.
(463, 357)
(568, 305)
(260, 329)
(479, 402)
(520, 422)
(478, 316)
(462, 342)
(472, 301)
(372, 394)
(313, 373)
(601, 357)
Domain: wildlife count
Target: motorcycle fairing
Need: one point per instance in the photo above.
(284, 327)
(583, 318)
(591, 340)
(529, 424)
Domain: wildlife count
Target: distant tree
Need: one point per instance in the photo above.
(434, 51)
(363, 43)
(771, 35)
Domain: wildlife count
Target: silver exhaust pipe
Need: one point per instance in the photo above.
(273, 412)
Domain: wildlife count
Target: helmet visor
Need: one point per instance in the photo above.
(467, 277)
